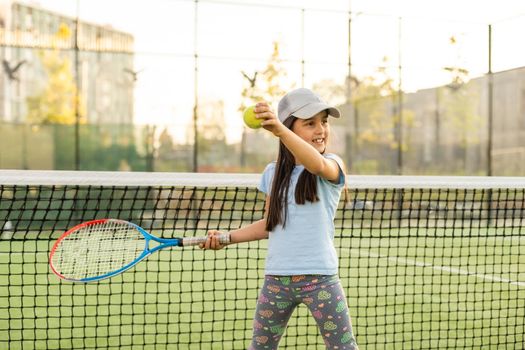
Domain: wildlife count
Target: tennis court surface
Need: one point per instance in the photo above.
(426, 263)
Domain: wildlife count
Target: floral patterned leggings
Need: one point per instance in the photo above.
(323, 295)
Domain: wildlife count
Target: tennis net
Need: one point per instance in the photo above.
(426, 263)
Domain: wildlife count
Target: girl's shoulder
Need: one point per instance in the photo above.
(333, 156)
(267, 177)
(270, 167)
(342, 168)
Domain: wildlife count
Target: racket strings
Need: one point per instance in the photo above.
(98, 249)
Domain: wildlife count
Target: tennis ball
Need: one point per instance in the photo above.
(249, 118)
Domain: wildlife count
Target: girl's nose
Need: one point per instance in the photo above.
(319, 127)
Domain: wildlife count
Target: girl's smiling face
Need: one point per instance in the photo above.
(314, 130)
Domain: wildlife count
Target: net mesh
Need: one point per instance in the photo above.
(423, 266)
(97, 249)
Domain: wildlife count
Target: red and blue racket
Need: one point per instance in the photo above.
(104, 248)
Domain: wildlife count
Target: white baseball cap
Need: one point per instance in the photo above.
(304, 104)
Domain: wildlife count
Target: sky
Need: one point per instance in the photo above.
(483, 11)
(235, 35)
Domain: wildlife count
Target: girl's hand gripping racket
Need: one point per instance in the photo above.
(99, 249)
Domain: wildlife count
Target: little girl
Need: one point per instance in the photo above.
(302, 190)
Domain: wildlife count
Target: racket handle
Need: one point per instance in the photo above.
(188, 241)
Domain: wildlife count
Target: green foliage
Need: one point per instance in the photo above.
(59, 100)
(375, 101)
(102, 148)
(267, 84)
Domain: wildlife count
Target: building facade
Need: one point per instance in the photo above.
(448, 130)
(101, 60)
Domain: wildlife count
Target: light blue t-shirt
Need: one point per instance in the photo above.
(306, 245)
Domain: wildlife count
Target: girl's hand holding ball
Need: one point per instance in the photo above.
(249, 118)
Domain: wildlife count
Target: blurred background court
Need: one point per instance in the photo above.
(426, 88)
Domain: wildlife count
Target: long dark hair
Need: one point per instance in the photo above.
(305, 190)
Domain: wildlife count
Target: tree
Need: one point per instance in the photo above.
(379, 122)
(375, 117)
(330, 91)
(211, 141)
(459, 74)
(59, 101)
(267, 84)
(461, 100)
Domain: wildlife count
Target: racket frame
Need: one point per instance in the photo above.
(163, 243)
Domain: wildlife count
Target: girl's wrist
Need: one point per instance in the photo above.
(281, 131)
(228, 240)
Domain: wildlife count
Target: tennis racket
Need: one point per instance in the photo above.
(104, 248)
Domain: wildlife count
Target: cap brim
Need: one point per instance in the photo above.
(312, 109)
